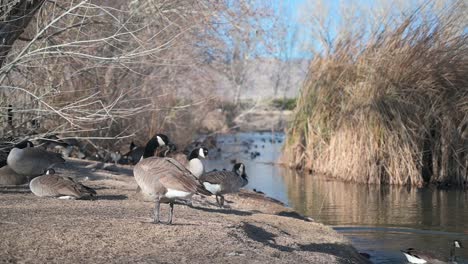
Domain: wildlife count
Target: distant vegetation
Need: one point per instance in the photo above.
(284, 103)
(387, 102)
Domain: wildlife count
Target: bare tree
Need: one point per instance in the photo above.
(14, 18)
(239, 35)
(107, 70)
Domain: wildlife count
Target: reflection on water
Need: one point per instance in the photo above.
(340, 203)
(379, 220)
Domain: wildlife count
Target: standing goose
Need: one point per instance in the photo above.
(194, 165)
(27, 160)
(164, 180)
(52, 185)
(192, 161)
(416, 256)
(222, 182)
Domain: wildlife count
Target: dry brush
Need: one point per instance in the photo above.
(390, 105)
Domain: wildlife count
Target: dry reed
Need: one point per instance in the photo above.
(388, 107)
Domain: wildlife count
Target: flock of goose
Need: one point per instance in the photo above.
(164, 178)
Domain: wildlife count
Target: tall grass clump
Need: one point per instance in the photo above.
(388, 103)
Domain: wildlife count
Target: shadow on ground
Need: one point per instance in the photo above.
(267, 238)
(222, 211)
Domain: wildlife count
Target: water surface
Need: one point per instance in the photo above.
(379, 220)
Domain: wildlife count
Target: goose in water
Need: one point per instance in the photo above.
(223, 182)
(27, 160)
(52, 185)
(420, 257)
(164, 180)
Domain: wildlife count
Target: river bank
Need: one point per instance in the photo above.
(114, 228)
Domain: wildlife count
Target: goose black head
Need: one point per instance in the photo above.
(155, 142)
(132, 146)
(50, 171)
(198, 153)
(239, 169)
(162, 139)
(24, 144)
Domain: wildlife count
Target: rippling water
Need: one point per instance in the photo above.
(379, 220)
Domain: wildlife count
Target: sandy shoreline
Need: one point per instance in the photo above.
(114, 228)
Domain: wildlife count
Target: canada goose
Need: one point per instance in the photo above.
(52, 185)
(134, 154)
(222, 182)
(416, 256)
(5, 146)
(52, 142)
(194, 165)
(164, 179)
(10, 177)
(192, 161)
(27, 160)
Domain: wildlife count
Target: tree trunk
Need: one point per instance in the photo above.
(14, 18)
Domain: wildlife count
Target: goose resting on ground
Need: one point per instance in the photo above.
(27, 160)
(10, 177)
(52, 185)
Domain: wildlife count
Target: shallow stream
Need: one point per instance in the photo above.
(379, 220)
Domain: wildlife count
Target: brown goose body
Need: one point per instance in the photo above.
(165, 179)
(223, 182)
(31, 161)
(228, 181)
(52, 185)
(10, 177)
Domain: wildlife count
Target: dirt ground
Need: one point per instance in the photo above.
(114, 228)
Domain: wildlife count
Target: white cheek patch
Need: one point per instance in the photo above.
(413, 259)
(160, 141)
(457, 244)
(171, 194)
(212, 188)
(201, 153)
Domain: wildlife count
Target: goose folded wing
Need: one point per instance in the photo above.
(216, 177)
(187, 174)
(63, 186)
(39, 154)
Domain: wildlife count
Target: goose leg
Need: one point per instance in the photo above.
(221, 201)
(171, 213)
(156, 211)
(217, 201)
